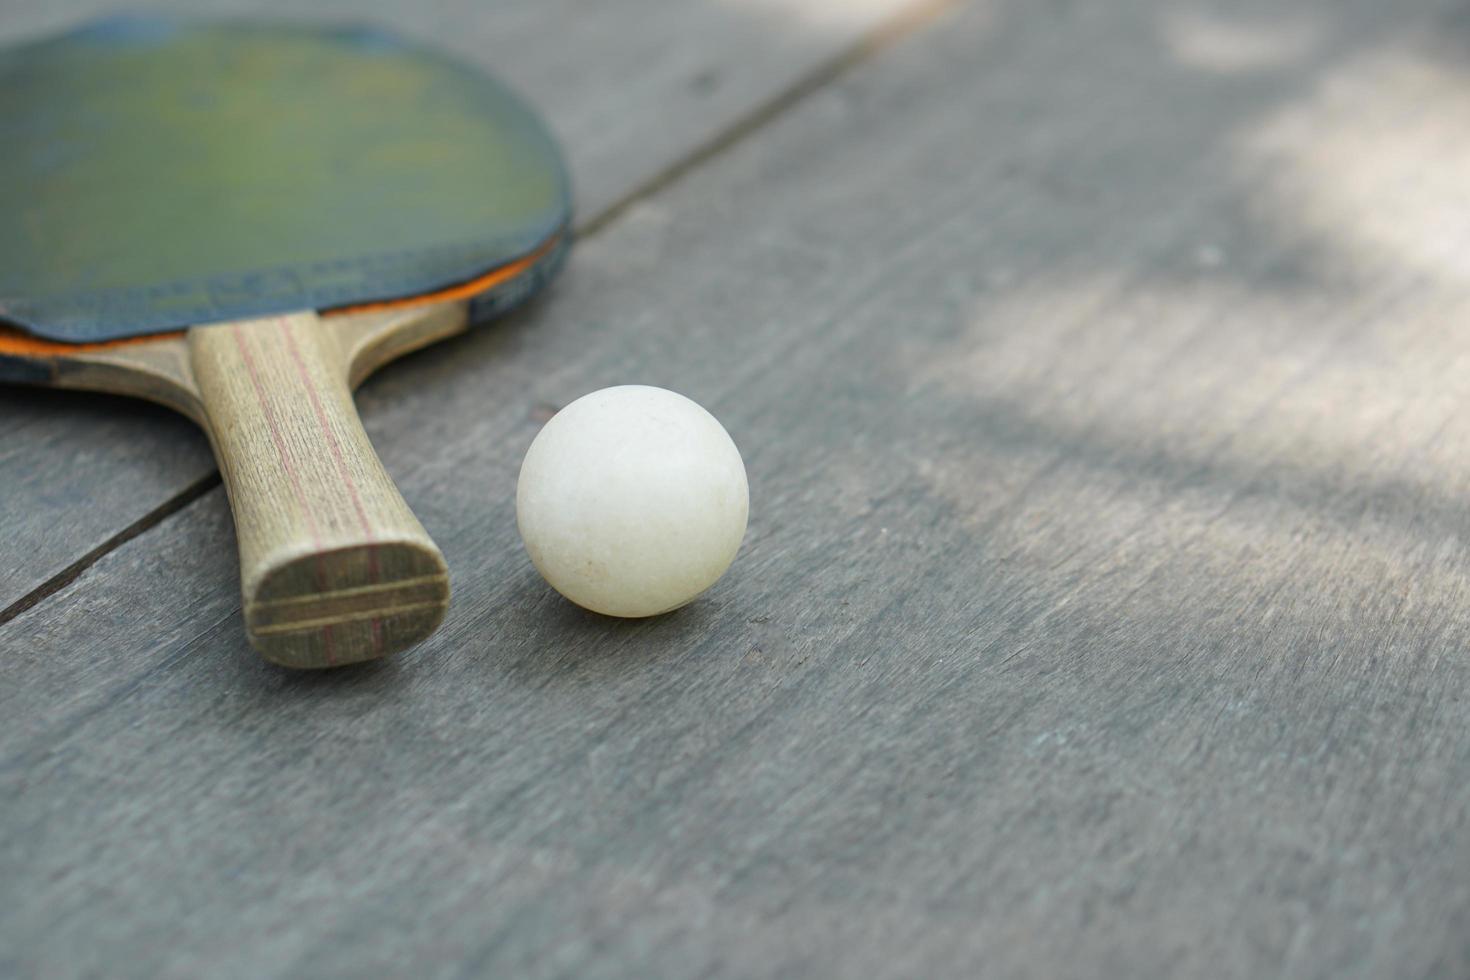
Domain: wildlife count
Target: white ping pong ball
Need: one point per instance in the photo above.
(632, 501)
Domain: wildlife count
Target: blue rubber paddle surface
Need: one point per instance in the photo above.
(160, 173)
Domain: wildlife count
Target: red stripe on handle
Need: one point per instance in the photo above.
(341, 461)
(328, 644)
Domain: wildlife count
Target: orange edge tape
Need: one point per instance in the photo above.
(17, 342)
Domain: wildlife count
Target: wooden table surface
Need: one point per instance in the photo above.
(1100, 371)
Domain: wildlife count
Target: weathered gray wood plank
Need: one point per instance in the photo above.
(1099, 371)
(631, 88)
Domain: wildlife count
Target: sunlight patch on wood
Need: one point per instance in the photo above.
(825, 15)
(1207, 40)
(1372, 163)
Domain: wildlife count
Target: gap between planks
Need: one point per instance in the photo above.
(147, 522)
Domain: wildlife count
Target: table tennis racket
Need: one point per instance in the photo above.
(242, 221)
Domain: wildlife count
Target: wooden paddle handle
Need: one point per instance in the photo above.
(334, 567)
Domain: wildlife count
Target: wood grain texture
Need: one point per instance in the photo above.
(334, 567)
(630, 89)
(1100, 372)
